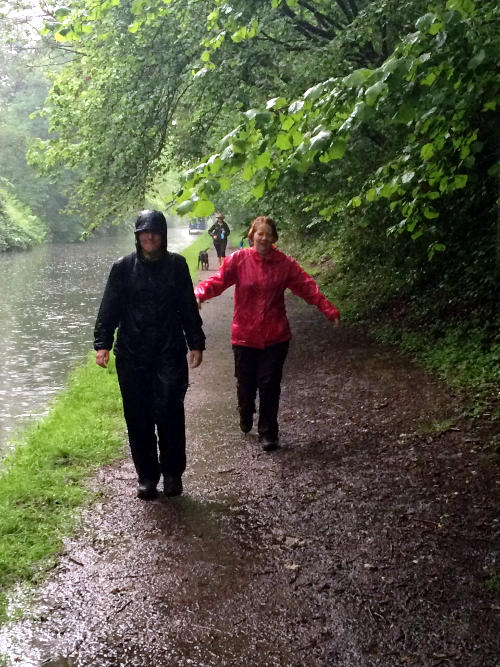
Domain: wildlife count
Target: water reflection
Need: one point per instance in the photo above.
(48, 303)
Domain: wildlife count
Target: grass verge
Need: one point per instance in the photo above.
(43, 481)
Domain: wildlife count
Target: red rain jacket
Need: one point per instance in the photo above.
(259, 318)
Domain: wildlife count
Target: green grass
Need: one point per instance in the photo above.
(42, 484)
(44, 481)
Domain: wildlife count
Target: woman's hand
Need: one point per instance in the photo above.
(102, 358)
(198, 301)
(336, 322)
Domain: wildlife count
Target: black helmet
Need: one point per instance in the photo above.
(151, 221)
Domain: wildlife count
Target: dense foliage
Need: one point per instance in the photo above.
(368, 129)
(23, 89)
(19, 228)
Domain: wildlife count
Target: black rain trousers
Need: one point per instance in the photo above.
(153, 405)
(260, 370)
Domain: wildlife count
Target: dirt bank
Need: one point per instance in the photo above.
(366, 539)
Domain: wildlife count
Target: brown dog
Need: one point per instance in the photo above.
(203, 260)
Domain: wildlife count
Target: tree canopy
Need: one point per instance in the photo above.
(367, 127)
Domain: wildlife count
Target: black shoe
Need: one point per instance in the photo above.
(268, 445)
(147, 491)
(246, 423)
(172, 486)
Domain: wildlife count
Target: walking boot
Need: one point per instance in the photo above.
(268, 445)
(147, 491)
(246, 422)
(172, 485)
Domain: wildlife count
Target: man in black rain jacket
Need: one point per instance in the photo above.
(149, 298)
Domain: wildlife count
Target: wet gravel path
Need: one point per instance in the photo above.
(366, 539)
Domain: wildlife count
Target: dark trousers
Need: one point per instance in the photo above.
(220, 247)
(153, 405)
(260, 370)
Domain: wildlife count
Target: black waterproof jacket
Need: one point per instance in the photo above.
(152, 304)
(220, 230)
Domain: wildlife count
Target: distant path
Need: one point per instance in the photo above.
(365, 540)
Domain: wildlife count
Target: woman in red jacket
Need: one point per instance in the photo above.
(260, 332)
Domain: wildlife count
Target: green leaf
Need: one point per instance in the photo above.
(296, 107)
(248, 171)
(430, 213)
(435, 247)
(407, 177)
(202, 208)
(240, 35)
(374, 92)
(356, 78)
(228, 139)
(276, 103)
(185, 207)
(320, 140)
(362, 111)
(210, 186)
(355, 202)
(314, 92)
(283, 141)
(263, 160)
(259, 189)
(424, 22)
(427, 151)
(405, 114)
(62, 12)
(460, 181)
(337, 149)
(465, 7)
(436, 27)
(287, 122)
(429, 79)
(371, 195)
(297, 138)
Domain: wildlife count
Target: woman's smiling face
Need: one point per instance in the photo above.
(263, 238)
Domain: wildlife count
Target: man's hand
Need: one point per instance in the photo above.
(195, 357)
(102, 358)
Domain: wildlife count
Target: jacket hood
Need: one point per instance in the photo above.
(151, 221)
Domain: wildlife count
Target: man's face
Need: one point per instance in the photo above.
(150, 242)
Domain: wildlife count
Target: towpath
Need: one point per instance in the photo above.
(368, 538)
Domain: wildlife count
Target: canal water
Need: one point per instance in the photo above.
(49, 298)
